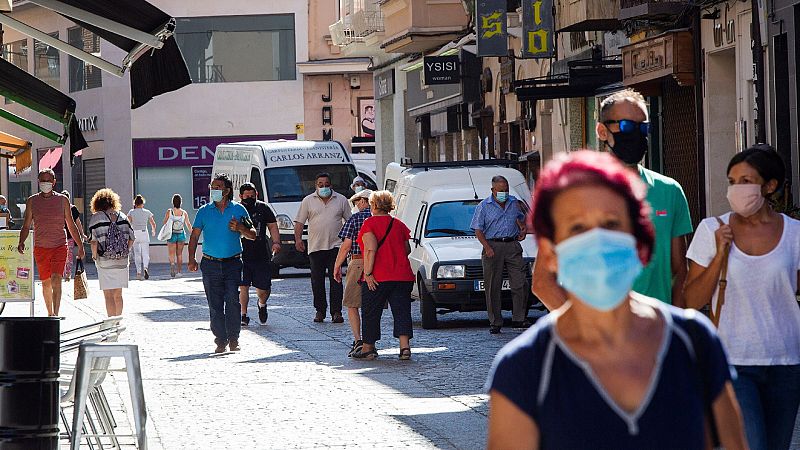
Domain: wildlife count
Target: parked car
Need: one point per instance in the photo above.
(284, 172)
(437, 202)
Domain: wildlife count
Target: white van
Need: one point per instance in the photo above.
(437, 202)
(284, 172)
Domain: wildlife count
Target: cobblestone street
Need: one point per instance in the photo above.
(292, 385)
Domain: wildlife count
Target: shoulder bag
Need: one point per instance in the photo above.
(80, 286)
(723, 283)
(166, 230)
(383, 239)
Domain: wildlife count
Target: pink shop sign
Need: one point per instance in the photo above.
(186, 152)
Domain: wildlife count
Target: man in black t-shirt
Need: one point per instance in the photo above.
(257, 254)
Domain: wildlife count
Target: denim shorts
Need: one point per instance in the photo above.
(177, 237)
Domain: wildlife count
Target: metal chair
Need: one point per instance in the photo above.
(92, 364)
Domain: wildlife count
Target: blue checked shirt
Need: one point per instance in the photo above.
(496, 222)
(351, 228)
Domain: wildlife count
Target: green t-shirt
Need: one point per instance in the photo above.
(670, 215)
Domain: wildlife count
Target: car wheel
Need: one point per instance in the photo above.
(427, 307)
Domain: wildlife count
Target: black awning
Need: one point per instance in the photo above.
(35, 94)
(156, 71)
(584, 78)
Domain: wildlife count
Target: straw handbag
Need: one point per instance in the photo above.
(81, 287)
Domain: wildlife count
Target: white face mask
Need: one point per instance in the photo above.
(46, 187)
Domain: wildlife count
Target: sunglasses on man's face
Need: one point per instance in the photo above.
(629, 126)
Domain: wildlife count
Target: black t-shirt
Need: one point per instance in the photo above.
(261, 215)
(75, 215)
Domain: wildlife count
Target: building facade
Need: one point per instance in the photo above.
(242, 57)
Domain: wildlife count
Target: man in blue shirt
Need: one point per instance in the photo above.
(499, 225)
(223, 224)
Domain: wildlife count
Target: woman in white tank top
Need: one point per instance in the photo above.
(179, 220)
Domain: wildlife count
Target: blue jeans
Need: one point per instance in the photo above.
(221, 282)
(769, 397)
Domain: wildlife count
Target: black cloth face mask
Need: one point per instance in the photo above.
(249, 202)
(629, 147)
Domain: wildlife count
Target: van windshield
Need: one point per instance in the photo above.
(291, 184)
(451, 219)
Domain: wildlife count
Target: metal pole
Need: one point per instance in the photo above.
(758, 73)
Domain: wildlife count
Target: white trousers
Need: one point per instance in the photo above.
(141, 250)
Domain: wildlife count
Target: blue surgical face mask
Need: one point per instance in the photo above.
(599, 267)
(216, 195)
(502, 196)
(3, 208)
(324, 192)
(358, 189)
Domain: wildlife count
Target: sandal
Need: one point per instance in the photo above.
(356, 347)
(405, 354)
(369, 356)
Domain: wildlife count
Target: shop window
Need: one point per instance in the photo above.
(47, 65)
(238, 48)
(82, 75)
(17, 54)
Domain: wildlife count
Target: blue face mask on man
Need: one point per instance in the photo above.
(216, 195)
(502, 196)
(324, 192)
(599, 267)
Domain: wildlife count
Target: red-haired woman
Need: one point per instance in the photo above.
(610, 368)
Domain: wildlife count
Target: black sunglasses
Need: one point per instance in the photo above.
(629, 126)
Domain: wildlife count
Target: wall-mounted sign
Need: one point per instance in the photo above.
(537, 29)
(187, 152)
(441, 69)
(384, 84)
(88, 123)
(667, 54)
(507, 74)
(201, 179)
(491, 30)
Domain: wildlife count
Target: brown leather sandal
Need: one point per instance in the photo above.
(405, 354)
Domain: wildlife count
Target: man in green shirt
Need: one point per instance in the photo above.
(623, 128)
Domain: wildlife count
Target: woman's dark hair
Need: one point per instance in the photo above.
(139, 200)
(177, 200)
(767, 162)
(228, 183)
(590, 168)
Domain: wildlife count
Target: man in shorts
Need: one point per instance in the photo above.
(48, 211)
(257, 254)
(352, 290)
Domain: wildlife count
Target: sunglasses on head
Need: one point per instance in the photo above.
(629, 126)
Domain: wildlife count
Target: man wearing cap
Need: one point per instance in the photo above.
(355, 266)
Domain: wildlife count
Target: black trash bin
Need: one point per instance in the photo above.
(29, 396)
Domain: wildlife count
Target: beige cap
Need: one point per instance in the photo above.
(363, 194)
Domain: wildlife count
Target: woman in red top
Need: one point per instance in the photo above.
(388, 275)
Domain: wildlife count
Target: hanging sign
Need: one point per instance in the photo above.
(491, 33)
(537, 29)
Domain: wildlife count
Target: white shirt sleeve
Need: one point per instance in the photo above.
(703, 246)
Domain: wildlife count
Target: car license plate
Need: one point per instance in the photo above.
(479, 285)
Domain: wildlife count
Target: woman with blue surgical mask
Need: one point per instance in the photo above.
(753, 300)
(610, 368)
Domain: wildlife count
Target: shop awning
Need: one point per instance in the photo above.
(144, 31)
(11, 146)
(35, 94)
(584, 78)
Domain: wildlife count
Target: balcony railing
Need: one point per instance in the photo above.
(361, 18)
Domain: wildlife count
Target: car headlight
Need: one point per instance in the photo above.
(450, 271)
(284, 222)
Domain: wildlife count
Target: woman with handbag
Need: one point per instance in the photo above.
(178, 219)
(746, 263)
(387, 275)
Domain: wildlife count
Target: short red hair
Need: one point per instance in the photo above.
(583, 168)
